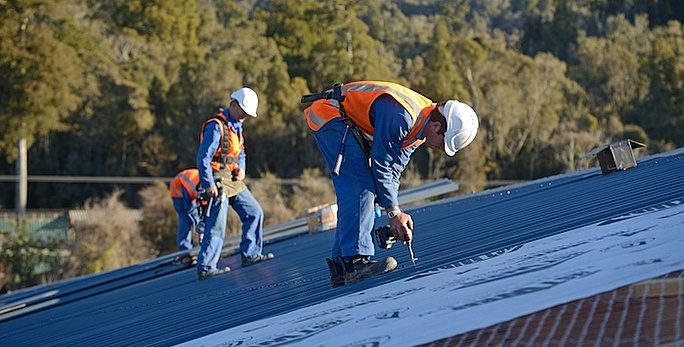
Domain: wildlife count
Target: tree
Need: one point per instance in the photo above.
(159, 46)
(159, 222)
(108, 240)
(523, 102)
(442, 77)
(296, 28)
(445, 73)
(41, 74)
(662, 112)
(326, 42)
(557, 36)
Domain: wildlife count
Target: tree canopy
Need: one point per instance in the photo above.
(120, 88)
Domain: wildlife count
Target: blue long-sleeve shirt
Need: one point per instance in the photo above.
(392, 125)
(210, 143)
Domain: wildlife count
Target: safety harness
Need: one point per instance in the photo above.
(335, 93)
(223, 159)
(225, 143)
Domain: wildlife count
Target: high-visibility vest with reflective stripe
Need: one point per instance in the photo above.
(233, 141)
(358, 98)
(185, 180)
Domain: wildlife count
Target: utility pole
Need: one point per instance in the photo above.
(22, 182)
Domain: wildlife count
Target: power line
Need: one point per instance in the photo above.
(149, 180)
(86, 179)
(115, 179)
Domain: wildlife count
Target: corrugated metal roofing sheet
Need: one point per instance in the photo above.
(161, 303)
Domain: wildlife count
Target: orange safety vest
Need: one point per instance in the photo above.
(230, 147)
(358, 98)
(187, 180)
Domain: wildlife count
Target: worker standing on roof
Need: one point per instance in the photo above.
(391, 121)
(221, 163)
(183, 190)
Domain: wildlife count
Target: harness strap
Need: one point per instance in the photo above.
(334, 92)
(365, 145)
(224, 158)
(224, 146)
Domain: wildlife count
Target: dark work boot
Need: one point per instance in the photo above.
(202, 274)
(251, 261)
(336, 273)
(361, 267)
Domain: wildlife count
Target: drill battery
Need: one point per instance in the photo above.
(385, 237)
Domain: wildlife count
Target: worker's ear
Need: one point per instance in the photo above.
(435, 126)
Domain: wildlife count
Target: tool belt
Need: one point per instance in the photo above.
(225, 183)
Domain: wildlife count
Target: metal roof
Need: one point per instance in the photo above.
(161, 303)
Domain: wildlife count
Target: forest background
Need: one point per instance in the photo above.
(121, 87)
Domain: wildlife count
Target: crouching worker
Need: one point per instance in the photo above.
(367, 132)
(183, 190)
(221, 163)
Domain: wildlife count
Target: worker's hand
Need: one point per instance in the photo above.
(238, 174)
(212, 192)
(402, 227)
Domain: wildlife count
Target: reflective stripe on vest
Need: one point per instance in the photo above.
(185, 180)
(358, 98)
(227, 160)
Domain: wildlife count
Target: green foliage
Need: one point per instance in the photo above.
(41, 75)
(159, 220)
(27, 261)
(454, 13)
(326, 42)
(268, 191)
(108, 239)
(609, 69)
(122, 87)
(521, 109)
(443, 78)
(313, 189)
(662, 112)
(556, 35)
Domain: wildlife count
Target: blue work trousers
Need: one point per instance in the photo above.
(252, 218)
(355, 190)
(184, 233)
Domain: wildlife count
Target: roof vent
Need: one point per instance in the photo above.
(616, 156)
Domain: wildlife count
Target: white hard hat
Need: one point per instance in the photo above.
(461, 126)
(247, 99)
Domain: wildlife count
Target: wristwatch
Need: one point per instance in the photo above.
(393, 213)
